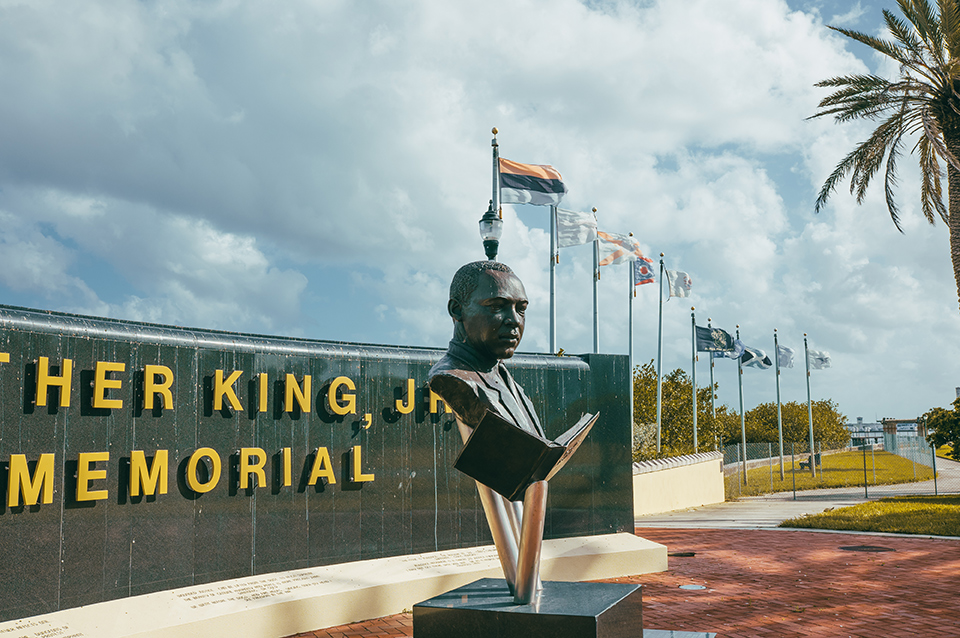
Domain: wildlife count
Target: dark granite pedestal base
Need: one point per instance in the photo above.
(485, 609)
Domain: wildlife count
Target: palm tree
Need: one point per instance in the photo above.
(922, 104)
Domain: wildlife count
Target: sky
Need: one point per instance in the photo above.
(318, 169)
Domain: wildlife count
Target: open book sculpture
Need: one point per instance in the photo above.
(508, 459)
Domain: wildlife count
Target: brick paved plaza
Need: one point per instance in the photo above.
(782, 583)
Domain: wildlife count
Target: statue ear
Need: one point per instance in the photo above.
(455, 308)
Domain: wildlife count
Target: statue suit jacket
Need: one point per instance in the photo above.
(472, 384)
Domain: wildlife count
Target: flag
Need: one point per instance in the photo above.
(714, 340)
(530, 184)
(785, 355)
(756, 358)
(818, 359)
(738, 349)
(575, 228)
(615, 249)
(679, 283)
(642, 271)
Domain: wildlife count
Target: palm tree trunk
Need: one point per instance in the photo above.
(953, 185)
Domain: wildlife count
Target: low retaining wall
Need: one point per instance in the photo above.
(664, 485)
(285, 603)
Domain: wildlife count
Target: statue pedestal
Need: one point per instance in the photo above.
(485, 608)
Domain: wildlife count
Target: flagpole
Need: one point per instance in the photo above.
(713, 406)
(806, 359)
(776, 358)
(632, 292)
(554, 258)
(496, 173)
(596, 292)
(743, 424)
(659, 353)
(693, 366)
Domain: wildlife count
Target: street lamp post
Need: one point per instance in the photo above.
(491, 227)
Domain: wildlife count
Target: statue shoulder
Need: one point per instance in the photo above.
(460, 389)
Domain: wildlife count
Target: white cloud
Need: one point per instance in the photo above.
(319, 169)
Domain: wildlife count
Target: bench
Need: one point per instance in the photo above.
(805, 465)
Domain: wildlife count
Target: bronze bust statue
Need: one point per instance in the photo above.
(487, 304)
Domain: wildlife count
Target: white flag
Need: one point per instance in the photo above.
(679, 283)
(785, 355)
(818, 359)
(575, 228)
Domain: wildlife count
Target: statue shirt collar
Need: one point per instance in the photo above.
(472, 357)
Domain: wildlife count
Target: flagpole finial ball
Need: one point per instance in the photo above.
(661, 254)
(494, 130)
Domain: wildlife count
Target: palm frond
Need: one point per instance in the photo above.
(934, 133)
(903, 33)
(866, 96)
(841, 170)
(875, 148)
(862, 162)
(889, 49)
(931, 189)
(890, 180)
(921, 15)
(950, 25)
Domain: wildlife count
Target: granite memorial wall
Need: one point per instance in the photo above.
(136, 458)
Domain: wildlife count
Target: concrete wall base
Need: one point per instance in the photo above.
(285, 603)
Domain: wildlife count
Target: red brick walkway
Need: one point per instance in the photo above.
(783, 584)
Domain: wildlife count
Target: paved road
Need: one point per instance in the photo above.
(760, 512)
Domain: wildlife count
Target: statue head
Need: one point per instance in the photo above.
(487, 304)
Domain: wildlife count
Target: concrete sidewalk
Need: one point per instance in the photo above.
(751, 512)
(769, 510)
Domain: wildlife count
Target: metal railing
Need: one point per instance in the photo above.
(910, 467)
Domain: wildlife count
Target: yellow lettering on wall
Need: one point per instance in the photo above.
(151, 387)
(19, 480)
(406, 407)
(357, 467)
(192, 481)
(223, 388)
(101, 384)
(4, 357)
(45, 380)
(150, 478)
(262, 394)
(287, 468)
(85, 474)
(349, 405)
(322, 468)
(434, 401)
(292, 389)
(247, 468)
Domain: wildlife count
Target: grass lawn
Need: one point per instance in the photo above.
(843, 469)
(944, 452)
(934, 515)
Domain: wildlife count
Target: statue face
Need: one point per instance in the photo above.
(493, 316)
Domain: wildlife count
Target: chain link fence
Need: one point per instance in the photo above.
(902, 465)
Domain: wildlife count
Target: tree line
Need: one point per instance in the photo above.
(716, 431)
